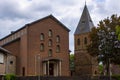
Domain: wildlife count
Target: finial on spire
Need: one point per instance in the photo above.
(85, 2)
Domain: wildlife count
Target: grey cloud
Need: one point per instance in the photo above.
(65, 2)
(10, 10)
(42, 6)
(67, 11)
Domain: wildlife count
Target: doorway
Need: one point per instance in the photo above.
(51, 69)
(23, 71)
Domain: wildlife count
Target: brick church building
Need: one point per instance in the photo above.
(84, 63)
(40, 47)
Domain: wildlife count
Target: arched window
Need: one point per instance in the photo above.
(42, 47)
(58, 49)
(50, 52)
(50, 42)
(41, 36)
(78, 41)
(50, 33)
(85, 40)
(58, 39)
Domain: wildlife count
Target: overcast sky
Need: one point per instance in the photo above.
(16, 13)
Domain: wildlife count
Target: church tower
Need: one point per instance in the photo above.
(84, 63)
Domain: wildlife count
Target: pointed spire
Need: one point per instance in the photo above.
(85, 24)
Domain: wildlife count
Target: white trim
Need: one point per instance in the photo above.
(48, 67)
(60, 67)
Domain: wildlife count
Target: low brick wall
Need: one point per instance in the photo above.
(52, 78)
(63, 78)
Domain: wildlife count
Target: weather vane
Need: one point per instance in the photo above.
(85, 2)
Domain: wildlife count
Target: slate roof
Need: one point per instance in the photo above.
(85, 24)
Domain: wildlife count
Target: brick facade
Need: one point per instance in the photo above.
(84, 63)
(26, 46)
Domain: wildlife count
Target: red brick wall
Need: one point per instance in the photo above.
(34, 44)
(23, 53)
(85, 64)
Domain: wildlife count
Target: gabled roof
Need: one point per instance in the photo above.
(29, 24)
(85, 24)
(52, 17)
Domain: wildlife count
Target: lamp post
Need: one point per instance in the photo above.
(39, 65)
(37, 60)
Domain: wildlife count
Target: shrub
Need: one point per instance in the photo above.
(117, 77)
(9, 77)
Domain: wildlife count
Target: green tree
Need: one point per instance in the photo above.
(104, 42)
(10, 77)
(72, 62)
(93, 47)
(101, 68)
(118, 31)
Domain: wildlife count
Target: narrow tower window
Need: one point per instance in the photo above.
(78, 41)
(85, 40)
